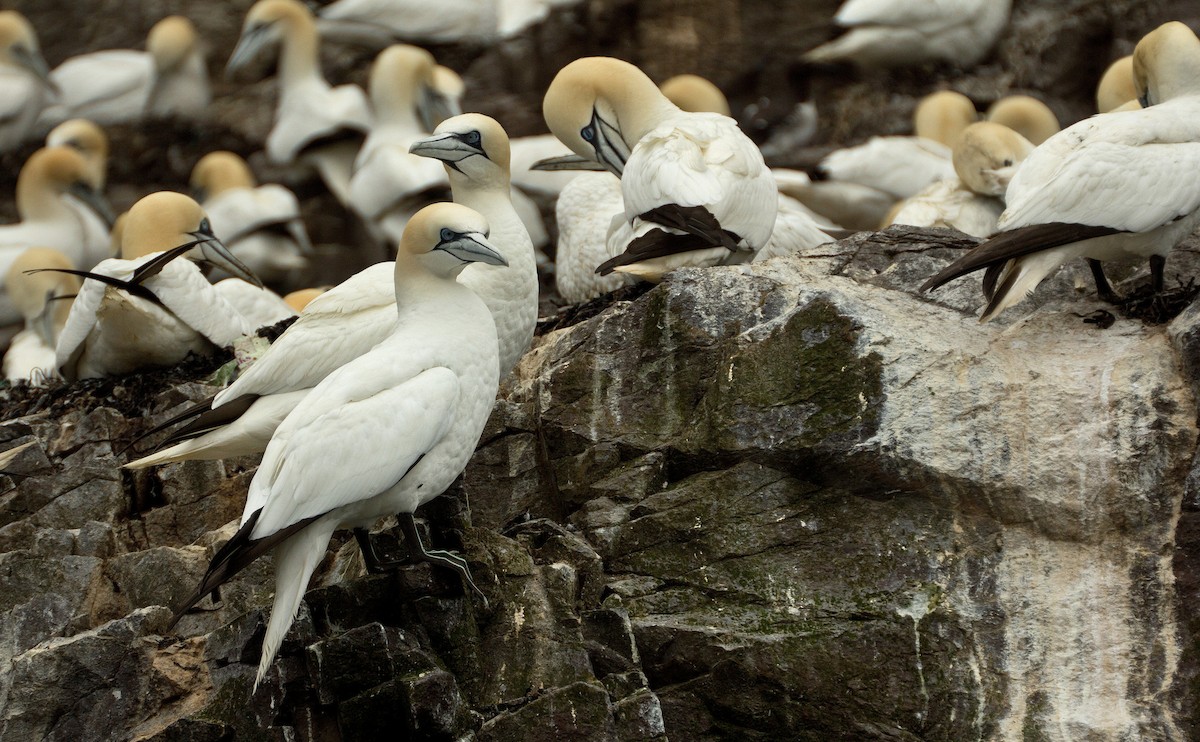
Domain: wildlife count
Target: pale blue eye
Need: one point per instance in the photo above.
(473, 137)
(447, 235)
(588, 133)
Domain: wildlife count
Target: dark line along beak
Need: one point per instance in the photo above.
(450, 148)
(1144, 99)
(216, 253)
(94, 201)
(611, 150)
(35, 63)
(249, 45)
(472, 247)
(568, 162)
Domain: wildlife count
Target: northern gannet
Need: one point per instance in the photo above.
(1116, 86)
(90, 141)
(986, 157)
(445, 99)
(150, 307)
(901, 166)
(47, 219)
(1025, 115)
(586, 210)
(260, 306)
(25, 85)
(902, 33)
(382, 435)
(261, 225)
(378, 23)
(115, 86)
(44, 299)
(1113, 187)
(695, 187)
(475, 151)
(314, 122)
(389, 184)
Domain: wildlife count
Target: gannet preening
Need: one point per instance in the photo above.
(47, 219)
(314, 122)
(382, 435)
(44, 299)
(91, 143)
(695, 187)
(901, 166)
(150, 308)
(986, 157)
(474, 149)
(1116, 186)
(25, 85)
(695, 94)
(585, 210)
(261, 225)
(1025, 115)
(389, 184)
(903, 33)
(1116, 86)
(118, 85)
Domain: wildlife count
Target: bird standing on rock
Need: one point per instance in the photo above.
(1112, 187)
(695, 187)
(383, 434)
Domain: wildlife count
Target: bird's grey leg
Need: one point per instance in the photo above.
(1103, 288)
(1158, 266)
(444, 558)
(374, 564)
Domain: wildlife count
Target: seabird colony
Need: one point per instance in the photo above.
(374, 398)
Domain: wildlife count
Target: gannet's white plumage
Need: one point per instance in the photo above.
(90, 141)
(25, 86)
(475, 151)
(1116, 186)
(986, 157)
(1116, 86)
(47, 219)
(389, 184)
(585, 211)
(901, 166)
(795, 232)
(120, 85)
(320, 124)
(679, 171)
(261, 225)
(382, 22)
(260, 306)
(900, 33)
(299, 299)
(384, 433)
(44, 300)
(1025, 115)
(162, 309)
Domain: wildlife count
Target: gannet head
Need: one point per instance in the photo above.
(264, 27)
(1025, 115)
(300, 298)
(401, 80)
(695, 94)
(472, 145)
(116, 234)
(444, 97)
(51, 172)
(170, 42)
(987, 156)
(601, 107)
(167, 220)
(1166, 64)
(42, 296)
(88, 140)
(943, 115)
(444, 238)
(1116, 86)
(218, 172)
(19, 47)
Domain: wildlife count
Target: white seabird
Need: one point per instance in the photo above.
(1025, 115)
(902, 33)
(389, 184)
(44, 299)
(314, 122)
(475, 151)
(151, 308)
(986, 157)
(90, 141)
(47, 219)
(382, 435)
(695, 187)
(261, 225)
(1114, 187)
(115, 86)
(260, 306)
(1116, 88)
(25, 85)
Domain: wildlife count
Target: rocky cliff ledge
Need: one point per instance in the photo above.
(784, 501)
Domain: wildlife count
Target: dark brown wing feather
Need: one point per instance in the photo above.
(1013, 244)
(696, 222)
(209, 418)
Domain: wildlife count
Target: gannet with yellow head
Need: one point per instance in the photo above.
(44, 299)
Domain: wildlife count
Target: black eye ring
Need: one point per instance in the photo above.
(446, 234)
(473, 137)
(1008, 163)
(588, 133)
(205, 226)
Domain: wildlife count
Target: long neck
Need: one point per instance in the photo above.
(641, 111)
(37, 200)
(395, 102)
(298, 61)
(414, 282)
(481, 193)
